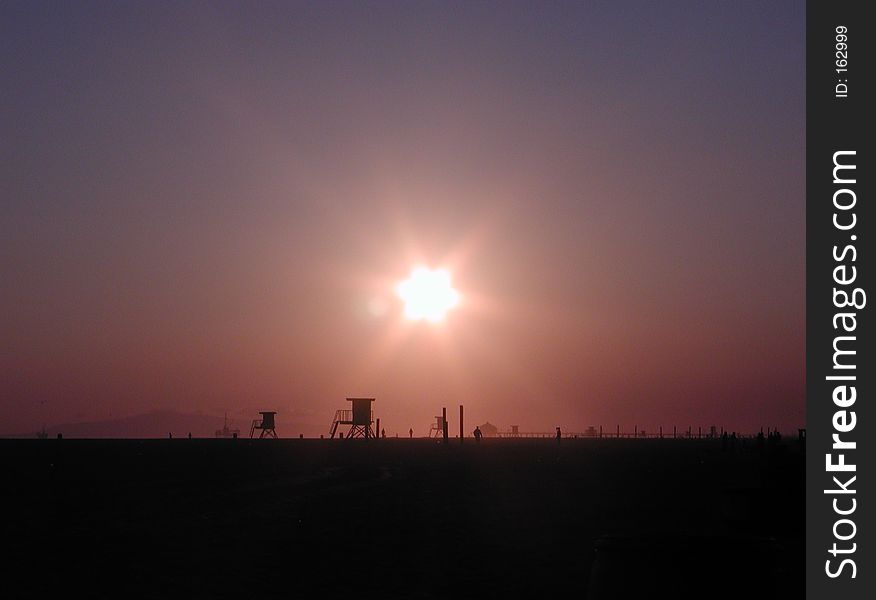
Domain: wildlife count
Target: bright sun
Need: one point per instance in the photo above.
(427, 294)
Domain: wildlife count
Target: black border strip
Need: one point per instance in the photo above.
(838, 122)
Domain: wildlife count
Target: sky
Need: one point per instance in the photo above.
(207, 207)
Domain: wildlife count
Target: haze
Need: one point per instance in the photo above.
(207, 207)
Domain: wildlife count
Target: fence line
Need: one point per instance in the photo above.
(617, 433)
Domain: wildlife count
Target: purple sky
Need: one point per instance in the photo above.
(201, 203)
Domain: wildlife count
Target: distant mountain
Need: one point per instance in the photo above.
(158, 424)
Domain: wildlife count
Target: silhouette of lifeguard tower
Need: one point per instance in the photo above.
(437, 427)
(359, 417)
(266, 424)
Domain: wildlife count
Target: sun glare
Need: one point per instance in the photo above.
(427, 294)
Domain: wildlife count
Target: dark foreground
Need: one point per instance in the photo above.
(401, 518)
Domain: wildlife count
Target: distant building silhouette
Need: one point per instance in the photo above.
(226, 432)
(489, 430)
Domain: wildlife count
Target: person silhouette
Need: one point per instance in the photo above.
(411, 433)
(477, 434)
(559, 435)
(383, 433)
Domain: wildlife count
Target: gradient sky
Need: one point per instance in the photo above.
(204, 202)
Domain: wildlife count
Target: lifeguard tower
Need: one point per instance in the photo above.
(437, 427)
(266, 424)
(359, 417)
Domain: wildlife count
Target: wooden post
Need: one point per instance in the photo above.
(661, 432)
(635, 431)
(377, 432)
(461, 429)
(699, 432)
(673, 432)
(600, 432)
(618, 432)
(444, 418)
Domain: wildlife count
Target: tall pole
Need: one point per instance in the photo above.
(444, 419)
(461, 428)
